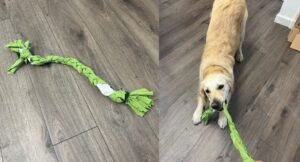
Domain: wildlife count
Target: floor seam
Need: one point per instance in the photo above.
(106, 144)
(74, 136)
(79, 14)
(96, 123)
(89, 108)
(77, 87)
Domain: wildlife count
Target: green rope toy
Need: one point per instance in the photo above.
(207, 115)
(138, 100)
(234, 134)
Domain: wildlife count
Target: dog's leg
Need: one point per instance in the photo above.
(239, 57)
(222, 120)
(198, 112)
(201, 102)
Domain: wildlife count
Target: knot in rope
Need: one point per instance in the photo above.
(138, 100)
(24, 54)
(23, 50)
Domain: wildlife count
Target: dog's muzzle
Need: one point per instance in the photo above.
(217, 105)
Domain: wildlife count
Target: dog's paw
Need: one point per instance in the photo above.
(222, 122)
(196, 117)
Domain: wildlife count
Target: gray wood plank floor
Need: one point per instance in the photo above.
(51, 113)
(265, 105)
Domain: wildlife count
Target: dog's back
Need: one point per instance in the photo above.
(224, 32)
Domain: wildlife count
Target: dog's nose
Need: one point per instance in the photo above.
(216, 105)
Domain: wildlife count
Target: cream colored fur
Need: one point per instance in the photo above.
(223, 46)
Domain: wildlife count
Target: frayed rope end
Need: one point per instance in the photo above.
(22, 49)
(138, 100)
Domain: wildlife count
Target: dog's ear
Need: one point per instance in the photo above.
(201, 91)
(202, 95)
(230, 84)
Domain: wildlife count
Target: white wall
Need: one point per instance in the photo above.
(288, 13)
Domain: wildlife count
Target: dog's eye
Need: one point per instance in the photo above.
(221, 86)
(207, 91)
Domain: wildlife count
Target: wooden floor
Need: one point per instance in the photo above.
(265, 105)
(51, 113)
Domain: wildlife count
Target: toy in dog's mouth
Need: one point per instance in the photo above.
(218, 108)
(210, 112)
(217, 105)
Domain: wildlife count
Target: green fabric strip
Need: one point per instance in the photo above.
(138, 100)
(207, 115)
(234, 134)
(236, 138)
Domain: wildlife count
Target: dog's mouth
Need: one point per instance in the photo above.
(220, 109)
(219, 106)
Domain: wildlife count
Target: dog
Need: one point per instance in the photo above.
(223, 48)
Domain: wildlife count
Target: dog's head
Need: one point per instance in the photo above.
(217, 88)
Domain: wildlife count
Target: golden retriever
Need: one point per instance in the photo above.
(223, 47)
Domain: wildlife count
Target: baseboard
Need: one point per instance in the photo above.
(285, 21)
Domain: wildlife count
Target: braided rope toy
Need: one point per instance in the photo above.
(138, 100)
(207, 115)
(234, 134)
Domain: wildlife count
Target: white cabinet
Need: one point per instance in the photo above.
(288, 13)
